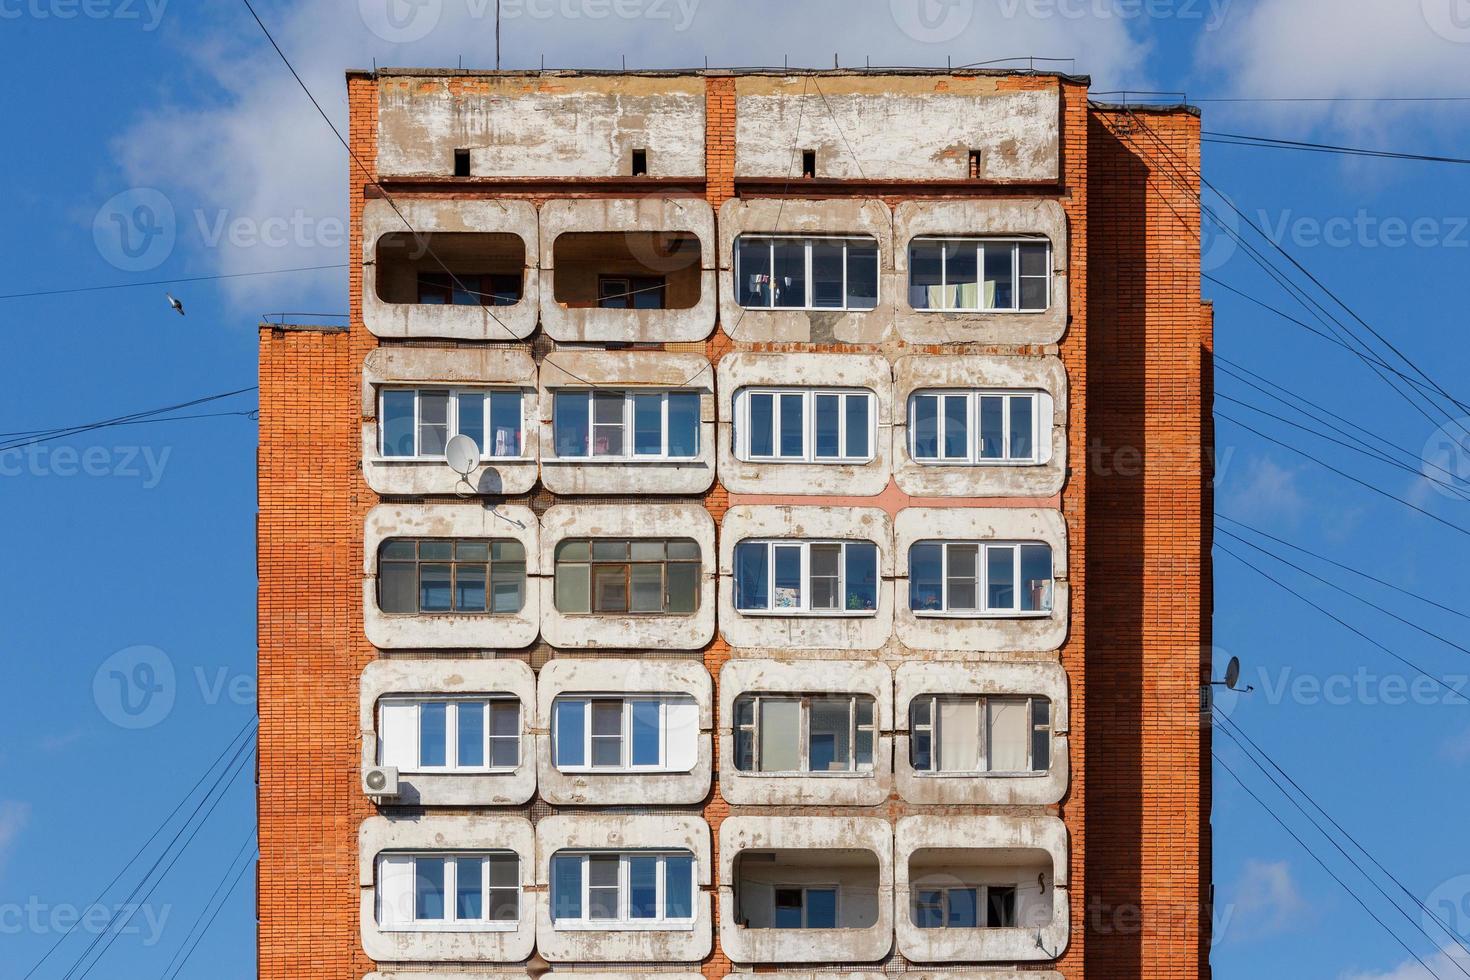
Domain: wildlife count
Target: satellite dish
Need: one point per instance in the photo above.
(1232, 672)
(462, 455)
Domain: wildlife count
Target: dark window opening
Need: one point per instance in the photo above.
(627, 270)
(974, 164)
(443, 288)
(461, 163)
(808, 163)
(631, 293)
(640, 163)
(451, 268)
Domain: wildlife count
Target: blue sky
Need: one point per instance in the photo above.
(144, 537)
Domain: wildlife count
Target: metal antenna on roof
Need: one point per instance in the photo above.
(834, 60)
(625, 62)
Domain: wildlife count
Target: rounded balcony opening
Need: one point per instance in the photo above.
(633, 270)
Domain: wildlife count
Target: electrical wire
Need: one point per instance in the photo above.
(1237, 139)
(168, 282)
(185, 949)
(34, 437)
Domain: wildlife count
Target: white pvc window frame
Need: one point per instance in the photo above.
(625, 732)
(807, 241)
(981, 579)
(980, 243)
(984, 724)
(804, 606)
(744, 427)
(624, 920)
(488, 702)
(974, 441)
(751, 730)
(450, 861)
(630, 398)
(487, 451)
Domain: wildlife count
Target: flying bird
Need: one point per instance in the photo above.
(174, 304)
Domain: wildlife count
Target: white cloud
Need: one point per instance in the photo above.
(1263, 489)
(1264, 900)
(259, 151)
(1276, 48)
(14, 815)
(1444, 963)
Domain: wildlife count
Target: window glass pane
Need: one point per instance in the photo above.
(504, 871)
(1033, 258)
(648, 292)
(753, 256)
(1000, 906)
(788, 905)
(508, 583)
(790, 273)
(643, 888)
(1010, 735)
(962, 284)
(478, 551)
(471, 733)
(956, 427)
(744, 750)
(992, 427)
(647, 550)
(863, 749)
(433, 422)
(828, 421)
(569, 422)
(602, 887)
(827, 265)
(862, 576)
(570, 733)
(828, 747)
(428, 883)
(928, 909)
(926, 427)
(505, 423)
(396, 548)
(438, 550)
(566, 887)
(648, 424)
(469, 899)
(607, 423)
(572, 588)
(607, 734)
(1021, 447)
(505, 718)
(398, 587)
(780, 723)
(925, 275)
(575, 550)
(434, 588)
(684, 424)
(469, 588)
(821, 908)
(433, 733)
(1000, 577)
(646, 588)
(926, 581)
(610, 588)
(752, 569)
(963, 588)
(505, 904)
(1036, 587)
(959, 735)
(678, 887)
(999, 283)
(788, 577)
(825, 563)
(862, 275)
(962, 907)
(398, 423)
(646, 738)
(793, 426)
(1033, 293)
(684, 548)
(610, 549)
(683, 587)
(505, 888)
(856, 407)
(471, 407)
(762, 424)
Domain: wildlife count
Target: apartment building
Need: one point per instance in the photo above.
(753, 522)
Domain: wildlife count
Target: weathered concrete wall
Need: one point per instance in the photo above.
(417, 678)
(648, 631)
(497, 367)
(391, 631)
(745, 945)
(870, 372)
(576, 676)
(1039, 632)
(784, 216)
(914, 373)
(378, 835)
(628, 370)
(623, 942)
(980, 217)
(426, 217)
(896, 128)
(541, 125)
(644, 214)
(786, 631)
(1008, 838)
(857, 788)
(1049, 680)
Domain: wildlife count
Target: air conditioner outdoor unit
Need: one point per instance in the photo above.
(380, 781)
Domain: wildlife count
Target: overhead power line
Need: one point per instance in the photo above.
(38, 436)
(221, 892)
(1237, 139)
(168, 282)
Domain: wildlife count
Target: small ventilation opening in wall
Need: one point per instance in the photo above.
(640, 163)
(974, 164)
(461, 163)
(808, 163)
